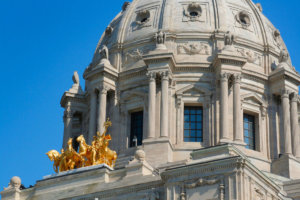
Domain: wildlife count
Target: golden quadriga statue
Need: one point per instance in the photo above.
(88, 155)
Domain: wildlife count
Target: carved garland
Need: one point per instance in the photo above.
(202, 182)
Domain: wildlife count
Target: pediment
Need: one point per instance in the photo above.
(254, 98)
(193, 90)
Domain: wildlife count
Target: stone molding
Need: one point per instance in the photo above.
(203, 182)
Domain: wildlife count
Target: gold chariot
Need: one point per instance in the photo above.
(88, 155)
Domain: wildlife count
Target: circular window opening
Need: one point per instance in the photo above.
(144, 20)
(244, 19)
(143, 17)
(194, 14)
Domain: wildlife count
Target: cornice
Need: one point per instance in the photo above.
(283, 74)
(71, 97)
(104, 70)
(133, 73)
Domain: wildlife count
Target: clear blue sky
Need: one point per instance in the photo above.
(41, 43)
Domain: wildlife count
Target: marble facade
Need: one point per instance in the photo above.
(158, 56)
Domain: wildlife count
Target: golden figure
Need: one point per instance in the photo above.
(97, 153)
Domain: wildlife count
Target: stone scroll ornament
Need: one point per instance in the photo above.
(88, 155)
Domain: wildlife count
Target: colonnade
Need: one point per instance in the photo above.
(289, 107)
(98, 121)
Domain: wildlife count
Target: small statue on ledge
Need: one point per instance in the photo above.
(97, 153)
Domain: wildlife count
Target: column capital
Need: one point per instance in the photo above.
(224, 76)
(237, 78)
(294, 97)
(285, 93)
(103, 89)
(151, 75)
(164, 75)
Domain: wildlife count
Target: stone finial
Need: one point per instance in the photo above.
(284, 60)
(104, 52)
(160, 38)
(15, 183)
(140, 155)
(75, 78)
(259, 6)
(109, 30)
(284, 56)
(125, 5)
(76, 88)
(229, 38)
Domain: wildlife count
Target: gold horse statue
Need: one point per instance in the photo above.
(88, 155)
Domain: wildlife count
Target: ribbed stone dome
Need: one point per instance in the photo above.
(194, 28)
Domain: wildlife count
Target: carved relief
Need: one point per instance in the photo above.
(210, 192)
(192, 12)
(251, 56)
(135, 55)
(193, 48)
(202, 182)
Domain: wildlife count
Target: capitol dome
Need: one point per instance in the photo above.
(203, 101)
(175, 76)
(193, 28)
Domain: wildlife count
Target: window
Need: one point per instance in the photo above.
(193, 124)
(136, 128)
(249, 131)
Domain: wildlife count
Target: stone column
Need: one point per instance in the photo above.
(102, 109)
(286, 122)
(93, 113)
(224, 107)
(164, 104)
(68, 115)
(238, 134)
(151, 104)
(295, 125)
